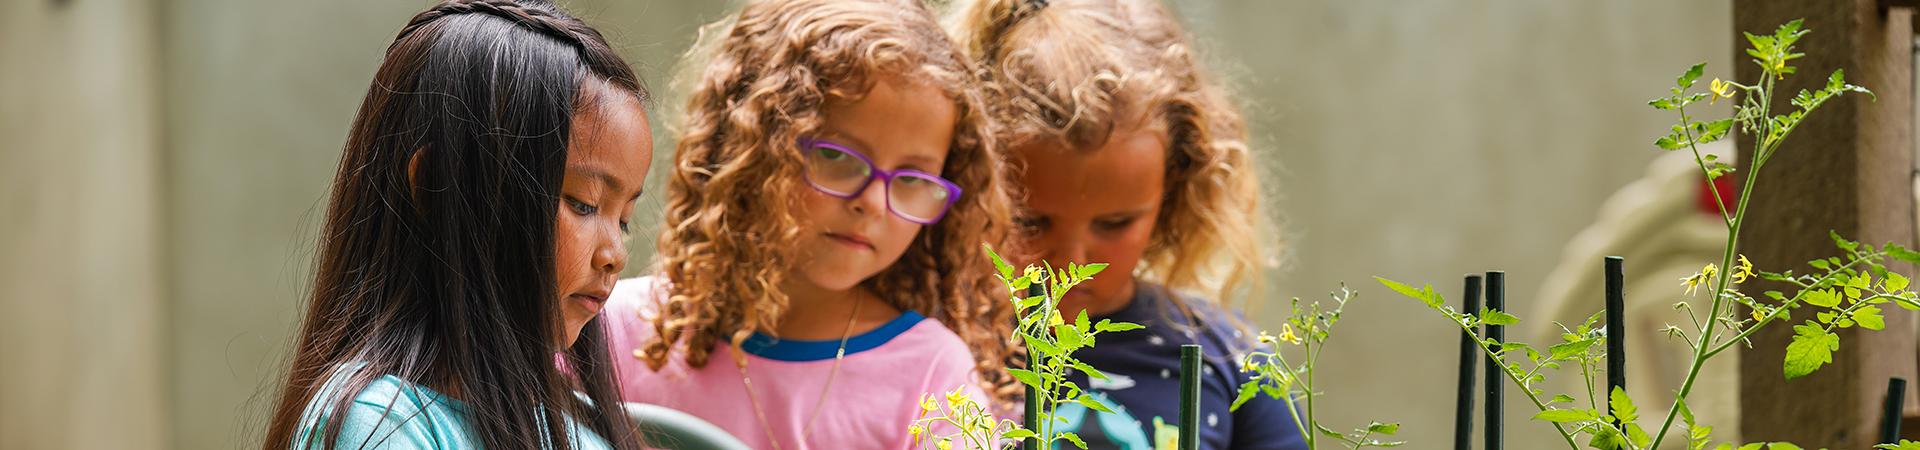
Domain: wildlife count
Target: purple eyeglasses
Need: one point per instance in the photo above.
(839, 171)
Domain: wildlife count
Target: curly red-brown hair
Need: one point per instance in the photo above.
(1069, 72)
(732, 231)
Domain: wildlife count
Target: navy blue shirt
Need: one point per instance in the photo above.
(1143, 390)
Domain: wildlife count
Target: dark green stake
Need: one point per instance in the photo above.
(1032, 419)
(1189, 397)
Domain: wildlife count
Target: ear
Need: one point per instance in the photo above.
(413, 166)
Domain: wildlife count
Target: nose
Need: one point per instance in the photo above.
(1062, 247)
(610, 256)
(872, 198)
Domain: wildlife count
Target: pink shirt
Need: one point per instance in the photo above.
(872, 402)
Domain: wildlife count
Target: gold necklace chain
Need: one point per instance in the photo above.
(806, 431)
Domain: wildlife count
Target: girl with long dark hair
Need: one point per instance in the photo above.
(475, 230)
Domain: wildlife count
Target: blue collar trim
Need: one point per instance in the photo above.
(791, 350)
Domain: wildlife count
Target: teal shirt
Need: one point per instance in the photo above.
(394, 414)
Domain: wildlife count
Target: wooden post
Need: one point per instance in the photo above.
(1848, 169)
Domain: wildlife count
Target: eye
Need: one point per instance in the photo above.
(1029, 222)
(1113, 223)
(583, 208)
(831, 154)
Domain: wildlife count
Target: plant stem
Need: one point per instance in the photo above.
(1707, 333)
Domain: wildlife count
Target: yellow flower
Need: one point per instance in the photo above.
(1056, 320)
(945, 445)
(1698, 278)
(1036, 274)
(914, 431)
(1757, 316)
(927, 405)
(1286, 333)
(1720, 89)
(956, 397)
(1264, 338)
(1743, 270)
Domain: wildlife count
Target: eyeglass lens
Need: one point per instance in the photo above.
(844, 174)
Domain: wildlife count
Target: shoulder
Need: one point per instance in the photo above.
(1213, 324)
(391, 413)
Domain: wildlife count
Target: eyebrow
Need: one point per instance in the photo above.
(861, 146)
(1131, 212)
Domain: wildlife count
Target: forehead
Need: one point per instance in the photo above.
(1127, 173)
(612, 143)
(898, 120)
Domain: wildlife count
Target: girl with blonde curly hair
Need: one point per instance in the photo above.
(821, 264)
(1128, 152)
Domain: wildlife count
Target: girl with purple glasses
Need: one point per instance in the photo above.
(821, 265)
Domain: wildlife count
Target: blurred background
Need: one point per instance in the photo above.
(164, 165)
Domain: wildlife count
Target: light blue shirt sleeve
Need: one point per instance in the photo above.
(392, 414)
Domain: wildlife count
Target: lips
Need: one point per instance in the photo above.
(592, 302)
(852, 240)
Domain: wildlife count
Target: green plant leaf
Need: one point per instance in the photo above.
(1607, 438)
(1894, 282)
(1088, 271)
(1782, 446)
(1811, 348)
(1017, 433)
(1070, 339)
(1571, 349)
(1902, 445)
(1693, 73)
(1821, 297)
(1564, 415)
(1106, 326)
(1036, 343)
(1006, 271)
(1074, 438)
(1623, 408)
(1026, 377)
(1901, 253)
(1093, 404)
(1560, 398)
(1080, 323)
(1496, 317)
(1383, 428)
(1411, 292)
(1247, 391)
(1869, 318)
(1089, 370)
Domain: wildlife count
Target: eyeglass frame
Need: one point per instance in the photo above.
(885, 176)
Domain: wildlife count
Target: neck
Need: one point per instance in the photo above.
(819, 314)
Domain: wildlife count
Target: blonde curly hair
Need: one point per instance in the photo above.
(731, 230)
(1072, 71)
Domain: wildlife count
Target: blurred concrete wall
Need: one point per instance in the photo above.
(164, 163)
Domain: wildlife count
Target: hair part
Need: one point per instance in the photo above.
(1071, 72)
(760, 82)
(436, 263)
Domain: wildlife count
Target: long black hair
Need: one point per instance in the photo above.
(436, 262)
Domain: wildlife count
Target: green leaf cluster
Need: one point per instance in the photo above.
(1309, 326)
(1051, 340)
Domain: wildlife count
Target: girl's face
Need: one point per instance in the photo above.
(607, 159)
(1095, 206)
(899, 124)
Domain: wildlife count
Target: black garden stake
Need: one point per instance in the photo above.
(1890, 414)
(1189, 397)
(1469, 354)
(1497, 301)
(1616, 327)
